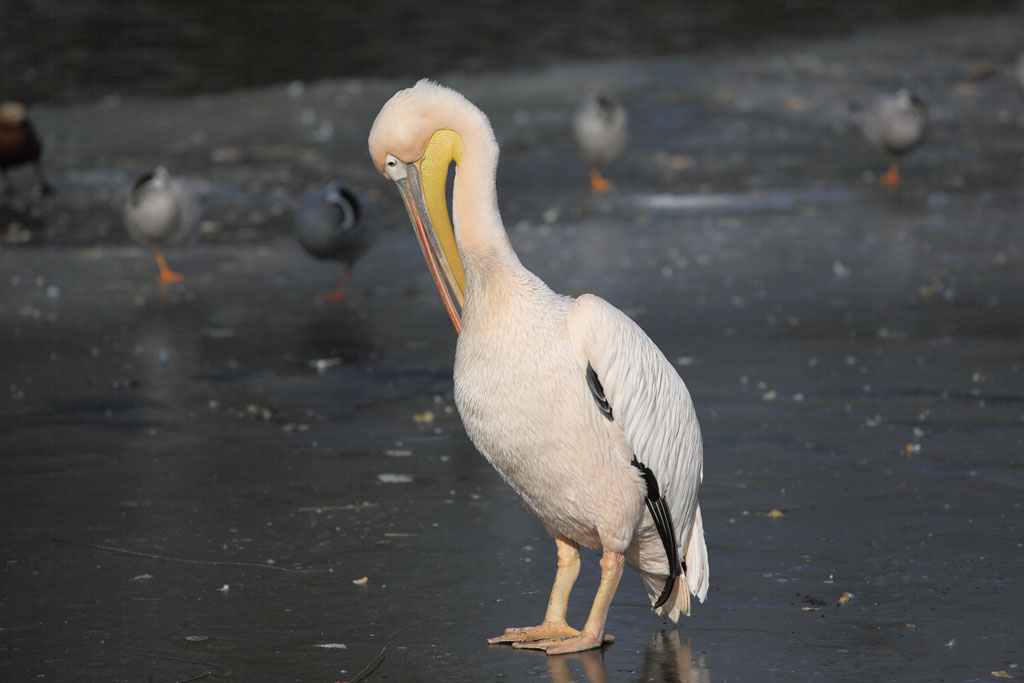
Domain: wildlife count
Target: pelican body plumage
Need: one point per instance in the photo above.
(568, 399)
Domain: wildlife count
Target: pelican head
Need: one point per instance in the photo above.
(415, 138)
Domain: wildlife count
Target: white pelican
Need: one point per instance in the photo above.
(19, 144)
(568, 399)
(896, 125)
(336, 223)
(161, 211)
(601, 127)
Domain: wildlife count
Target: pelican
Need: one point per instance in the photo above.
(895, 124)
(161, 211)
(601, 127)
(19, 144)
(333, 222)
(568, 399)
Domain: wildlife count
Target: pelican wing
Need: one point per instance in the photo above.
(636, 387)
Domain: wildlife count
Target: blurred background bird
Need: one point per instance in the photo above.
(161, 211)
(19, 145)
(335, 223)
(1018, 72)
(601, 127)
(896, 124)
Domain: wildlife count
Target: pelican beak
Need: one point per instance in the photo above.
(422, 184)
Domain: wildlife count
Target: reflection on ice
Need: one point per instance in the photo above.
(668, 659)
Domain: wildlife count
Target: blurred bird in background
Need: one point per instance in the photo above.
(337, 224)
(601, 127)
(896, 124)
(19, 145)
(161, 211)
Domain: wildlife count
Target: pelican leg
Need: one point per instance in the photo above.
(891, 178)
(592, 634)
(167, 276)
(598, 183)
(339, 293)
(554, 625)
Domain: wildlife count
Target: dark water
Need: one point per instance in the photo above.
(58, 51)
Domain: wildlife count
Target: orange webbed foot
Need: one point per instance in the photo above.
(891, 178)
(563, 646)
(556, 630)
(598, 183)
(167, 276)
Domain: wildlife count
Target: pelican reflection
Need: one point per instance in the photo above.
(668, 659)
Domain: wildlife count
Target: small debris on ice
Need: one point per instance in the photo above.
(321, 365)
(841, 270)
(393, 478)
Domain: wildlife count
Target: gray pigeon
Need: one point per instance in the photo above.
(335, 223)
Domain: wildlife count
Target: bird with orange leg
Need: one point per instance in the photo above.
(601, 129)
(336, 223)
(895, 124)
(161, 211)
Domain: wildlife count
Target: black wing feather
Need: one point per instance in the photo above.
(654, 502)
(666, 531)
(597, 391)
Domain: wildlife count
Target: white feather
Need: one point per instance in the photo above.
(652, 407)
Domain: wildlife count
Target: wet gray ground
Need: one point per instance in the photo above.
(184, 493)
